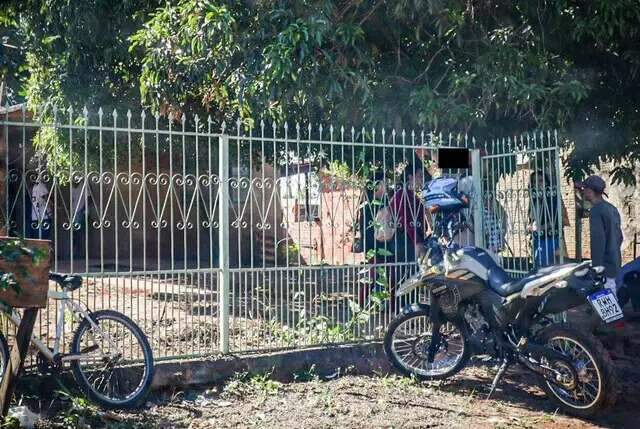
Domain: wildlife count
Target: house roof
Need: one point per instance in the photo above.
(14, 112)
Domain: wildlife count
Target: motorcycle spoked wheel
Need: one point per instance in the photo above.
(596, 386)
(408, 337)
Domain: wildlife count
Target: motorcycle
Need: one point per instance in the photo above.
(474, 307)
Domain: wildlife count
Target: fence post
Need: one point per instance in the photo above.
(560, 213)
(476, 173)
(223, 244)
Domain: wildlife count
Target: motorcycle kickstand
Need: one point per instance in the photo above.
(496, 379)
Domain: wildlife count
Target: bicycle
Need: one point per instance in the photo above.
(110, 357)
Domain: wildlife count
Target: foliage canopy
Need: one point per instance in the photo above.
(489, 67)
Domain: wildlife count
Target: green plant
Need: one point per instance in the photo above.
(395, 381)
(338, 170)
(245, 384)
(11, 250)
(80, 412)
(10, 423)
(289, 253)
(282, 334)
(306, 375)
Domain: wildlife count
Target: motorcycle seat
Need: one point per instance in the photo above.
(504, 285)
(499, 281)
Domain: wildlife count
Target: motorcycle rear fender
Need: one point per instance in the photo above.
(575, 294)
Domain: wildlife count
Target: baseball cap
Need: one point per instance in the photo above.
(595, 183)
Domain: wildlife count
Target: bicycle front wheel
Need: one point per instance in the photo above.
(115, 361)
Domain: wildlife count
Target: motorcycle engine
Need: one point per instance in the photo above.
(481, 337)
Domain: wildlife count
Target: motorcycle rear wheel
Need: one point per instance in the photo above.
(596, 387)
(408, 337)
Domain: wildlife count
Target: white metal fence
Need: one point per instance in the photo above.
(242, 238)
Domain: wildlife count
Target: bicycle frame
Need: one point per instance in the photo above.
(64, 302)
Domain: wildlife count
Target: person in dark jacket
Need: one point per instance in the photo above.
(605, 230)
(543, 222)
(373, 199)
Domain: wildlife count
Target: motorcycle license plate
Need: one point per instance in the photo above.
(606, 304)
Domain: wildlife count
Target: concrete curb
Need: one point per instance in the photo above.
(364, 358)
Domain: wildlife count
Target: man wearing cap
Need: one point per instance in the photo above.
(604, 224)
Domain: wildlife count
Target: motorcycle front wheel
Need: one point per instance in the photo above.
(595, 388)
(408, 338)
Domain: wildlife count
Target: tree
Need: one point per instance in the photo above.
(11, 58)
(488, 67)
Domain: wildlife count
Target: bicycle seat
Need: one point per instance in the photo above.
(66, 281)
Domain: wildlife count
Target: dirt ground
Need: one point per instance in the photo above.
(355, 401)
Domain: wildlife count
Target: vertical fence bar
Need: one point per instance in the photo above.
(476, 172)
(4, 150)
(560, 211)
(223, 244)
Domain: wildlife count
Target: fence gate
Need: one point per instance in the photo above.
(251, 236)
(522, 209)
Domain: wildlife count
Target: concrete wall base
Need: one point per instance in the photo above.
(365, 358)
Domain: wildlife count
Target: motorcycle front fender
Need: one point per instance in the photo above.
(410, 284)
(412, 308)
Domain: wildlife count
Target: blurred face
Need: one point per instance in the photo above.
(418, 180)
(589, 195)
(379, 190)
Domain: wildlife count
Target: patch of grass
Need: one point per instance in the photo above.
(245, 384)
(399, 382)
(307, 375)
(80, 413)
(327, 400)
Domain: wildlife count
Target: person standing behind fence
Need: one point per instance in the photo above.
(375, 251)
(543, 226)
(605, 229)
(404, 224)
(40, 225)
(408, 208)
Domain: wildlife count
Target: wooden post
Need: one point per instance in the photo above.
(16, 360)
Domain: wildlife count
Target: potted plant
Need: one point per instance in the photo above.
(24, 272)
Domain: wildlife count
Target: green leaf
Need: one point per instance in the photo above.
(384, 252)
